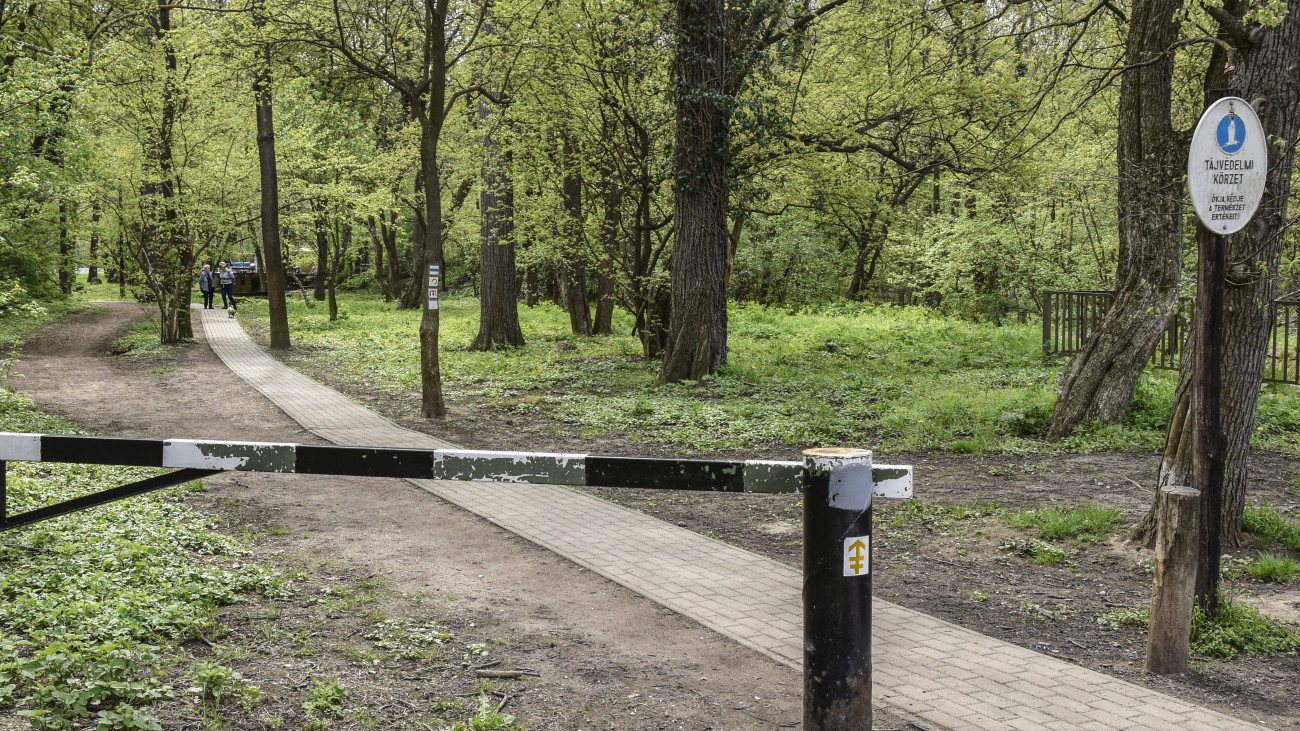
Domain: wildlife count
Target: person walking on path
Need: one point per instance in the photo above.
(227, 276)
(207, 286)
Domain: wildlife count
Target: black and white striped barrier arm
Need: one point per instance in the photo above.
(193, 459)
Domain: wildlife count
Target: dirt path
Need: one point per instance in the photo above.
(605, 657)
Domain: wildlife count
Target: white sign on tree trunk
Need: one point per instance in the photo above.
(1227, 165)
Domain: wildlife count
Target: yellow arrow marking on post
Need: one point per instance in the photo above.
(856, 555)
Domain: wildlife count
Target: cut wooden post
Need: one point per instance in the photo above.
(1177, 544)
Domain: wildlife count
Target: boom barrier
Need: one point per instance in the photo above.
(838, 487)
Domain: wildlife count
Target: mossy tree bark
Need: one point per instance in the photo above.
(1098, 383)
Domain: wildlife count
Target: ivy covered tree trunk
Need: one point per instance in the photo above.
(697, 333)
(1263, 61)
(1098, 383)
(498, 322)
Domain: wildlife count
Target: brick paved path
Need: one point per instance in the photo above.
(949, 676)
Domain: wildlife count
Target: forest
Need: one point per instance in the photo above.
(658, 159)
(659, 228)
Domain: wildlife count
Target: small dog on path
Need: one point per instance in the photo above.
(230, 311)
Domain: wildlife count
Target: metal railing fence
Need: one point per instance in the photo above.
(1069, 317)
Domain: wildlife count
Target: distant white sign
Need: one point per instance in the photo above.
(433, 287)
(1227, 165)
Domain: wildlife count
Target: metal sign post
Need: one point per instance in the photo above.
(1227, 167)
(837, 589)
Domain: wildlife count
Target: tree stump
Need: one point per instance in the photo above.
(1177, 543)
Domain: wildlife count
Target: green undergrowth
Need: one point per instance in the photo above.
(93, 605)
(141, 339)
(1271, 527)
(1273, 568)
(840, 374)
(20, 316)
(1088, 523)
(1237, 628)
(1085, 524)
(938, 515)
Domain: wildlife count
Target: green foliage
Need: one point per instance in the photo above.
(217, 683)
(489, 718)
(1235, 628)
(1239, 628)
(1273, 568)
(21, 314)
(1041, 552)
(939, 515)
(141, 339)
(1271, 527)
(407, 640)
(325, 699)
(69, 679)
(1089, 523)
(1129, 617)
(90, 602)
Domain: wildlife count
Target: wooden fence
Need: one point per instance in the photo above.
(1070, 316)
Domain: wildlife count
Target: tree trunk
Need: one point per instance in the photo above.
(530, 286)
(414, 294)
(378, 243)
(498, 322)
(321, 225)
(67, 249)
(272, 252)
(697, 334)
(121, 256)
(389, 230)
(571, 270)
(432, 405)
(1098, 383)
(1262, 71)
(92, 277)
(604, 321)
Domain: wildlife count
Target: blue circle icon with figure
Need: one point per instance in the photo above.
(1232, 133)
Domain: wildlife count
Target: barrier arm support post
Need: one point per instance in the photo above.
(837, 589)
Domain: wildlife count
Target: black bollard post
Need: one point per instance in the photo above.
(837, 590)
(4, 496)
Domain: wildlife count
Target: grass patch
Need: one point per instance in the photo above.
(1089, 523)
(839, 374)
(141, 339)
(1273, 568)
(938, 515)
(1271, 527)
(1235, 629)
(1239, 628)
